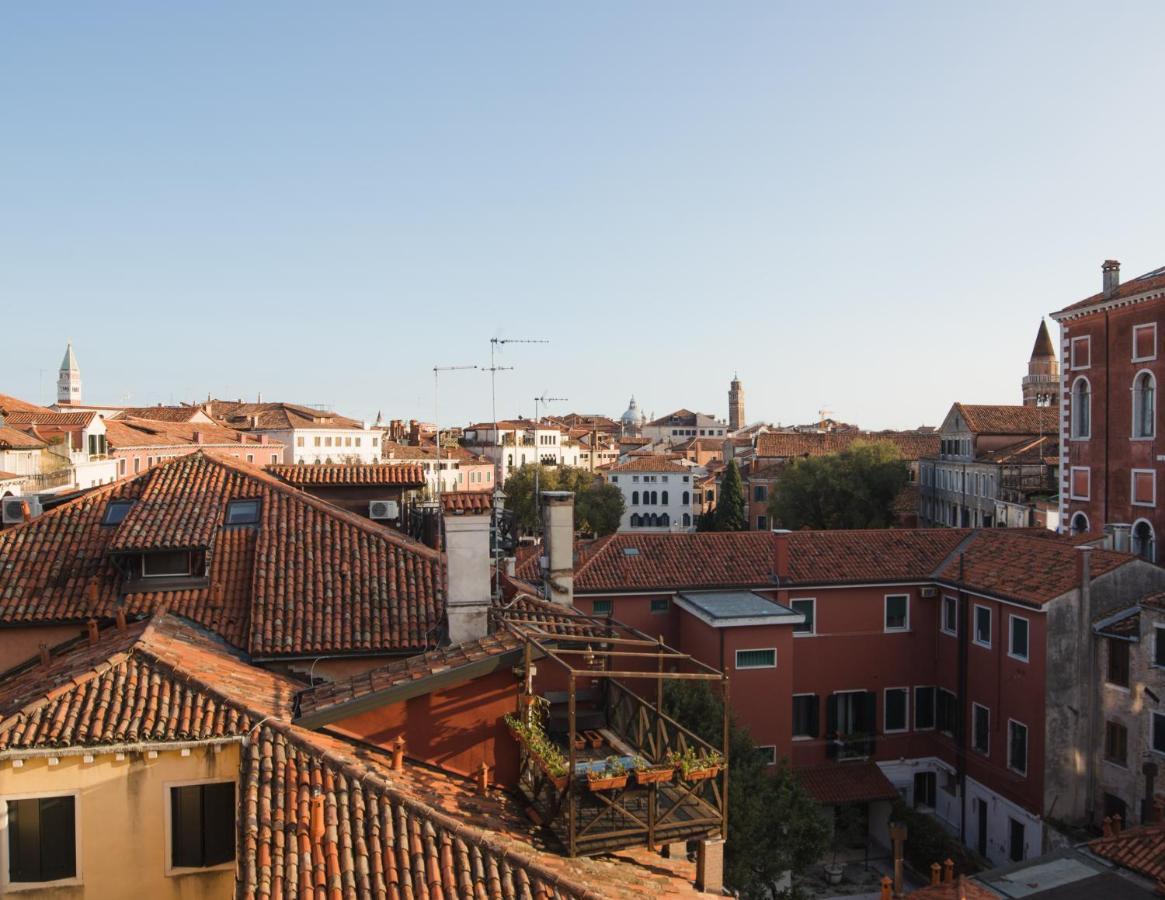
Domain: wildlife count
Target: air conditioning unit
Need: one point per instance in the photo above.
(20, 509)
(928, 593)
(383, 509)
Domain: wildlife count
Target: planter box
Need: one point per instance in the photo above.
(701, 774)
(606, 782)
(654, 775)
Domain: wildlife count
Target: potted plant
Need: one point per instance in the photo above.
(542, 750)
(651, 773)
(612, 776)
(695, 766)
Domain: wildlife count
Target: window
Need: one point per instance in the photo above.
(851, 714)
(806, 709)
(635, 498)
(1081, 355)
(1144, 342)
(1017, 644)
(894, 713)
(950, 616)
(923, 708)
(42, 839)
(660, 605)
(897, 612)
(160, 565)
(1144, 408)
(243, 512)
(137, 464)
(299, 441)
(759, 493)
(756, 659)
(1080, 483)
(1017, 747)
(924, 789)
(1158, 646)
(316, 441)
(983, 625)
(768, 755)
(603, 607)
(1081, 409)
(1158, 735)
(1116, 743)
(1118, 662)
(121, 466)
(250, 457)
(762, 523)
(946, 713)
(1079, 523)
(1144, 487)
(202, 825)
(116, 512)
(981, 729)
(808, 608)
(1144, 543)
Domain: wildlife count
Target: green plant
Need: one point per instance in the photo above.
(689, 760)
(533, 735)
(613, 766)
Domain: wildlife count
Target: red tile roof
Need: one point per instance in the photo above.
(1140, 849)
(161, 413)
(462, 502)
(309, 579)
(872, 555)
(12, 404)
(962, 888)
(15, 439)
(785, 444)
(1029, 451)
(655, 462)
(999, 419)
(1149, 283)
(59, 419)
(350, 475)
(125, 432)
(626, 561)
(274, 416)
(155, 681)
(846, 782)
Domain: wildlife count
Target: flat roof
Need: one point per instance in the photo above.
(727, 609)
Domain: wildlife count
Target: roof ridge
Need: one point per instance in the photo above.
(960, 547)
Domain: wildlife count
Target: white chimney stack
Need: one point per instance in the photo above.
(467, 557)
(558, 537)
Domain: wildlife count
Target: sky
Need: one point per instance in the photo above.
(859, 207)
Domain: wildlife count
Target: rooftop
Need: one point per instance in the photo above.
(1003, 419)
(728, 608)
(786, 444)
(274, 416)
(655, 462)
(1152, 283)
(356, 475)
(687, 560)
(128, 431)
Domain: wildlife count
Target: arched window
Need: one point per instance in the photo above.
(687, 520)
(654, 498)
(664, 521)
(1081, 408)
(635, 498)
(1144, 542)
(687, 500)
(634, 520)
(1080, 523)
(665, 498)
(1144, 405)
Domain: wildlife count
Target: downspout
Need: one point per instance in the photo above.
(960, 704)
(1091, 677)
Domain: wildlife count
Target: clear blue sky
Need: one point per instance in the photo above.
(864, 205)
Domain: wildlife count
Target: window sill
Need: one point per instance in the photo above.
(178, 872)
(1014, 771)
(1117, 687)
(981, 644)
(801, 634)
(1123, 766)
(896, 631)
(1022, 659)
(14, 886)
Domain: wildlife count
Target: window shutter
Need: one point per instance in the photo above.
(218, 823)
(24, 840)
(831, 715)
(58, 846)
(185, 827)
(814, 716)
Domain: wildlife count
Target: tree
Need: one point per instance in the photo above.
(774, 824)
(856, 488)
(598, 507)
(730, 514)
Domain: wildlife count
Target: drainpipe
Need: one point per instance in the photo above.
(961, 705)
(1106, 423)
(1091, 677)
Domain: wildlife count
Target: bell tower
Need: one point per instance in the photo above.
(69, 379)
(736, 419)
(1041, 385)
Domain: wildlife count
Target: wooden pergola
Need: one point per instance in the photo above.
(600, 648)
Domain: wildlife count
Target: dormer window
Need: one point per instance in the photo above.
(243, 512)
(168, 564)
(116, 511)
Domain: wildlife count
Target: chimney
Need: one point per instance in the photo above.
(398, 754)
(121, 623)
(254, 421)
(948, 870)
(1112, 276)
(558, 536)
(467, 558)
(198, 439)
(92, 628)
(262, 439)
(45, 656)
(780, 553)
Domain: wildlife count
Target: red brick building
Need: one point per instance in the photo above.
(1109, 456)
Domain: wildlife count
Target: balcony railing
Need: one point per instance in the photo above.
(47, 481)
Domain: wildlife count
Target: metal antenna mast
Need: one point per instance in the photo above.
(538, 461)
(437, 420)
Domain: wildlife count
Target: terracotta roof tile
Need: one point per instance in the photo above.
(1140, 849)
(626, 561)
(60, 419)
(350, 475)
(1001, 419)
(275, 416)
(462, 502)
(962, 888)
(15, 439)
(13, 404)
(873, 555)
(654, 462)
(786, 444)
(1150, 282)
(160, 413)
(124, 432)
(846, 782)
(309, 579)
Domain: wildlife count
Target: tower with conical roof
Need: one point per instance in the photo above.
(1041, 385)
(69, 379)
(736, 419)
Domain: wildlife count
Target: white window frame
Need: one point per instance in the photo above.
(1073, 364)
(1133, 436)
(942, 621)
(610, 603)
(1152, 536)
(1137, 328)
(806, 737)
(933, 707)
(1011, 620)
(906, 711)
(812, 632)
(1072, 435)
(1081, 514)
(1133, 488)
(175, 871)
(772, 752)
(975, 749)
(1072, 470)
(975, 626)
(5, 863)
(1026, 748)
(886, 629)
(186, 574)
(736, 658)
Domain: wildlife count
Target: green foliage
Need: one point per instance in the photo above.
(532, 732)
(774, 824)
(856, 488)
(927, 842)
(730, 514)
(598, 507)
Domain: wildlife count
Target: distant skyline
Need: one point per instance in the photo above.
(865, 208)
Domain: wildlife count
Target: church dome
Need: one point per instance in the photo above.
(631, 417)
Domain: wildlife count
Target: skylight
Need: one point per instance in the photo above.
(116, 511)
(243, 512)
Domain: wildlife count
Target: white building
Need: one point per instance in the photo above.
(511, 444)
(73, 441)
(682, 425)
(309, 436)
(658, 494)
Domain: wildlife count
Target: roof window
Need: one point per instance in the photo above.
(116, 511)
(630, 551)
(243, 512)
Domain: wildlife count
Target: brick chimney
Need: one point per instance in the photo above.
(558, 538)
(198, 437)
(1112, 276)
(467, 558)
(780, 553)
